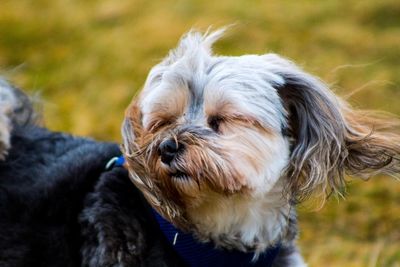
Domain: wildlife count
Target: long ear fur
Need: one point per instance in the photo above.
(329, 138)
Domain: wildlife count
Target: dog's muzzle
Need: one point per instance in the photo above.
(168, 150)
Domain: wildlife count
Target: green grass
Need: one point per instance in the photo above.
(89, 58)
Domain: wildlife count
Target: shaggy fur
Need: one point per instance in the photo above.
(59, 207)
(251, 136)
(15, 108)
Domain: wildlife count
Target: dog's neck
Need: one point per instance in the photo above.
(244, 223)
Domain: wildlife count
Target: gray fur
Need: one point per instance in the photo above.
(15, 108)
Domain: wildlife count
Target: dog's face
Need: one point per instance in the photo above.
(208, 126)
(208, 131)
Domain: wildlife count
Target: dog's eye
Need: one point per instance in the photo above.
(156, 125)
(214, 122)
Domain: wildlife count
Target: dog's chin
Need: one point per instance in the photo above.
(179, 176)
(234, 220)
(175, 173)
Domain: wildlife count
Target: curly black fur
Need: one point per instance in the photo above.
(58, 207)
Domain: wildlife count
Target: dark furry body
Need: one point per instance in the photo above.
(59, 207)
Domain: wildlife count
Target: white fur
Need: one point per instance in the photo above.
(7, 102)
(258, 219)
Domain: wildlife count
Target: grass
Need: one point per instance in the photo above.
(89, 58)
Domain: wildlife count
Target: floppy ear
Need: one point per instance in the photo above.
(131, 128)
(329, 138)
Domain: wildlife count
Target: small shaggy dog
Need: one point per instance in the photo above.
(222, 148)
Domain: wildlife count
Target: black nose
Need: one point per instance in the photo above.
(168, 150)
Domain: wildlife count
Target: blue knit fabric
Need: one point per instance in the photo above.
(197, 254)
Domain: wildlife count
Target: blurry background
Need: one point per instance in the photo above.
(87, 59)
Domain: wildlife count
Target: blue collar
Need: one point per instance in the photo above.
(197, 254)
(115, 162)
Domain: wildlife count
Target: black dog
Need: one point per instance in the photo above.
(60, 207)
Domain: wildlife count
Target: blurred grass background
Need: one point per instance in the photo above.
(89, 58)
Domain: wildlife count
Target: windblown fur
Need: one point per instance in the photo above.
(253, 135)
(330, 138)
(222, 147)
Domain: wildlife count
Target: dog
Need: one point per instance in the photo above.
(218, 152)
(6, 102)
(225, 147)
(60, 206)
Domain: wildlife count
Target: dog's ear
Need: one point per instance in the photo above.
(131, 128)
(328, 137)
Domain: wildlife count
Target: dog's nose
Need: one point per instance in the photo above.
(168, 150)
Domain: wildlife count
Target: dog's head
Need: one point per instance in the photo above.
(212, 129)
